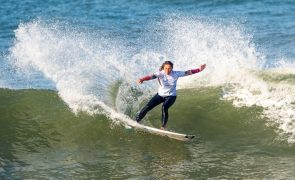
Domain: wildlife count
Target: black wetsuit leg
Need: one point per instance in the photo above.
(156, 100)
(168, 102)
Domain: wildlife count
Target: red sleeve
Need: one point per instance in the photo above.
(194, 71)
(146, 78)
(149, 77)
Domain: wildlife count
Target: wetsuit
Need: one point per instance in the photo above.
(166, 93)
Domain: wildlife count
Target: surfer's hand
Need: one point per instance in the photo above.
(140, 81)
(202, 67)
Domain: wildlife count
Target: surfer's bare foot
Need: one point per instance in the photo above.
(162, 128)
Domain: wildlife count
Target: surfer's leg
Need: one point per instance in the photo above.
(156, 100)
(169, 101)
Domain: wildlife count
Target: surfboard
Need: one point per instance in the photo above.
(152, 130)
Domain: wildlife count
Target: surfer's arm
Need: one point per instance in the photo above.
(194, 71)
(146, 78)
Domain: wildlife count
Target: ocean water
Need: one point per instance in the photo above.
(68, 86)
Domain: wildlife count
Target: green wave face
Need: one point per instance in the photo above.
(40, 134)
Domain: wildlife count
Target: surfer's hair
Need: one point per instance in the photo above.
(166, 62)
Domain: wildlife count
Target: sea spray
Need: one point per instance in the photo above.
(83, 69)
(80, 67)
(233, 63)
(84, 66)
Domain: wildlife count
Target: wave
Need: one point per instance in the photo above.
(96, 72)
(39, 131)
(43, 115)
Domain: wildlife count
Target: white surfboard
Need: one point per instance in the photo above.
(173, 135)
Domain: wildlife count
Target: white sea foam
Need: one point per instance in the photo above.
(84, 66)
(233, 63)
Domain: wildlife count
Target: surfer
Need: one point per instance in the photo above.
(167, 79)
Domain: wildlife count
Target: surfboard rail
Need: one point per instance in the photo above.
(170, 134)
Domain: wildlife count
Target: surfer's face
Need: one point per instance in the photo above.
(167, 69)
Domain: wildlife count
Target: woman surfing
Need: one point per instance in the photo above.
(166, 94)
